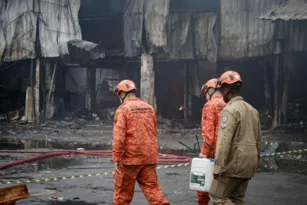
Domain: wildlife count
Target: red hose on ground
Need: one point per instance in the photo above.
(163, 158)
(50, 151)
(31, 159)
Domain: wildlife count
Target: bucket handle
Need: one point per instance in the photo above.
(211, 148)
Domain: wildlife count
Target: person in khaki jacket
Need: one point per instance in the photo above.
(238, 144)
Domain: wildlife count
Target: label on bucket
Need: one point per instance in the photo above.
(198, 179)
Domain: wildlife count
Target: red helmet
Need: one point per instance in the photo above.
(124, 86)
(212, 83)
(229, 77)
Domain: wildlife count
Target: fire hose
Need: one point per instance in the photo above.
(45, 154)
(197, 142)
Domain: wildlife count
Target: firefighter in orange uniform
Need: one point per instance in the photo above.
(135, 148)
(210, 121)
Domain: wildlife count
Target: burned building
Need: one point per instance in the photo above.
(72, 53)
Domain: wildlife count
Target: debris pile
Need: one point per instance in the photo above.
(294, 111)
(87, 115)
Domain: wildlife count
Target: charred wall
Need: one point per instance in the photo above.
(296, 64)
(292, 87)
(170, 87)
(252, 73)
(14, 78)
(102, 22)
(106, 80)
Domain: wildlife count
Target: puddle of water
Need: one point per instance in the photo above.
(71, 163)
(266, 164)
(56, 163)
(46, 166)
(13, 144)
(69, 202)
(43, 192)
(52, 163)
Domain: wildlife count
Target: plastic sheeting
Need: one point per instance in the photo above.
(192, 36)
(243, 34)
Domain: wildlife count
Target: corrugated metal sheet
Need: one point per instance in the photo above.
(2, 41)
(133, 25)
(205, 39)
(156, 13)
(85, 50)
(152, 14)
(179, 36)
(295, 36)
(58, 24)
(195, 5)
(243, 34)
(19, 30)
(289, 10)
(175, 32)
(192, 36)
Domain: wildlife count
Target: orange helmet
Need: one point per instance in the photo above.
(124, 86)
(209, 84)
(229, 77)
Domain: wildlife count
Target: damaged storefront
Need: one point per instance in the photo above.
(48, 68)
(177, 42)
(268, 54)
(59, 58)
(33, 37)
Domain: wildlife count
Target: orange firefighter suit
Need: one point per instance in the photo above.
(210, 125)
(135, 147)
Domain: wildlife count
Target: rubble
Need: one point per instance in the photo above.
(56, 198)
(13, 115)
(294, 111)
(108, 114)
(167, 123)
(87, 115)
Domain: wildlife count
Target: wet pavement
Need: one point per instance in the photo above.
(280, 180)
(96, 135)
(275, 182)
(265, 188)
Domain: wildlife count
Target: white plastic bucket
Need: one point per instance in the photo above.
(201, 174)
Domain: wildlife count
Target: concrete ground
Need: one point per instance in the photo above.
(269, 188)
(279, 181)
